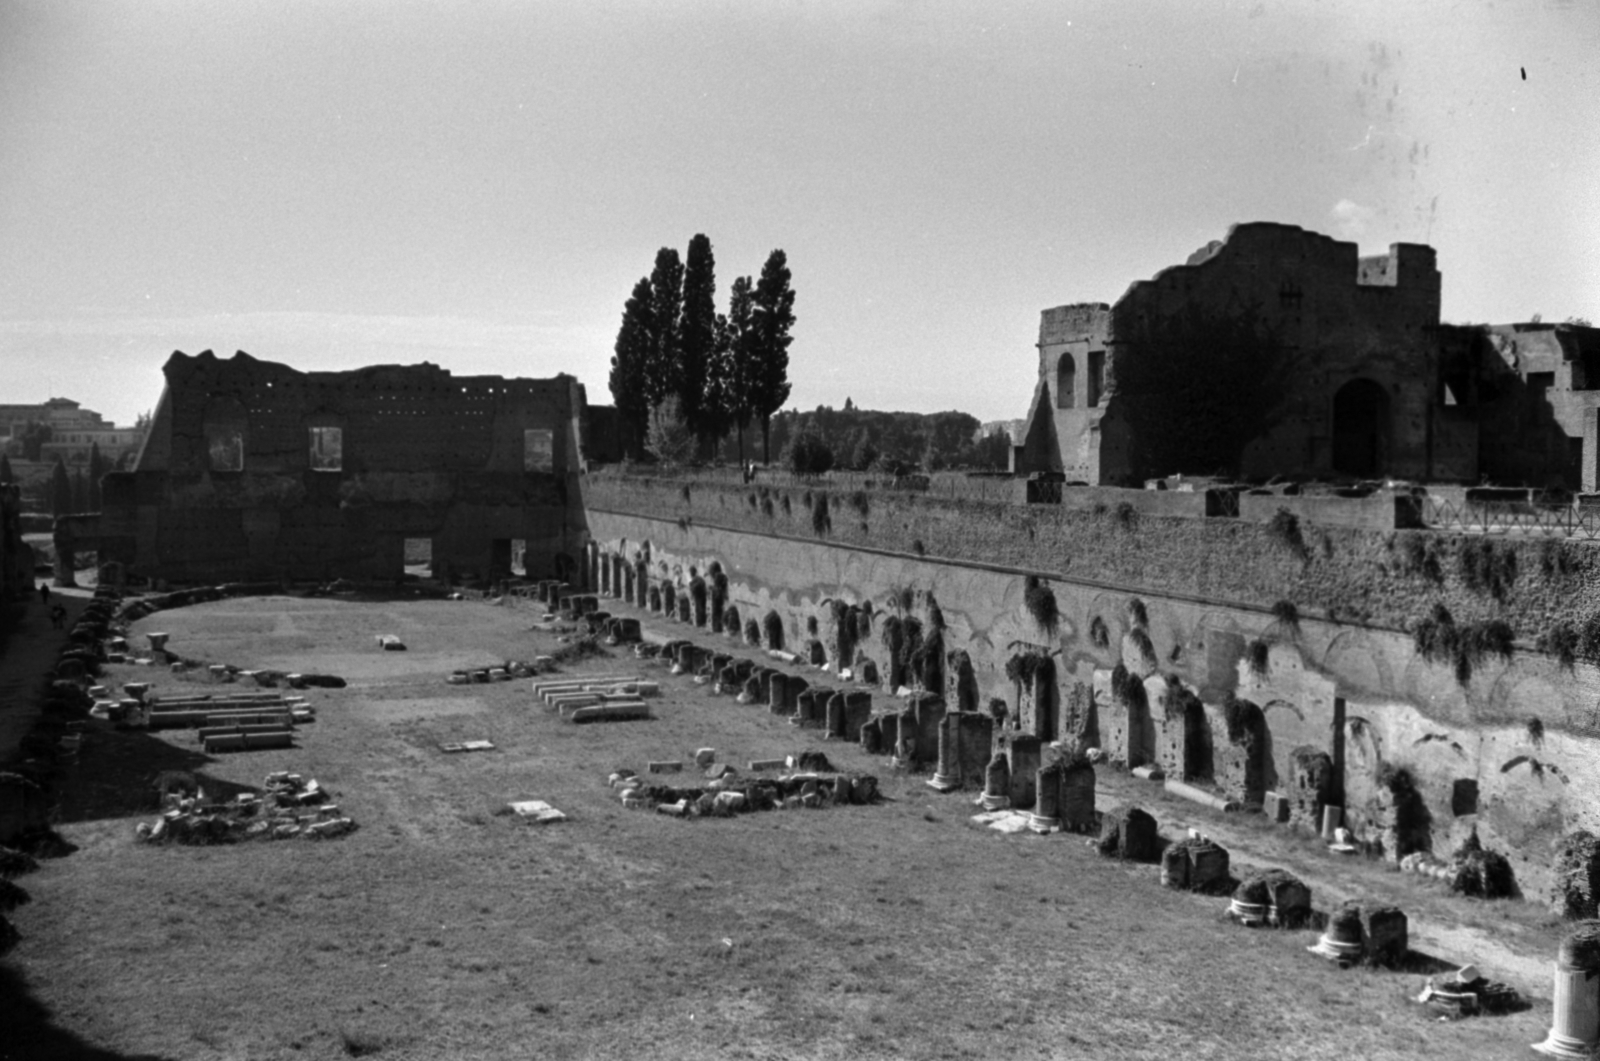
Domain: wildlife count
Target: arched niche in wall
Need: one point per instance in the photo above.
(1066, 382)
(226, 432)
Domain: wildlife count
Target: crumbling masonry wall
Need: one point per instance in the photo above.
(228, 485)
(1352, 690)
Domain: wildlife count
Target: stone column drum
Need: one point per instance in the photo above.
(1046, 816)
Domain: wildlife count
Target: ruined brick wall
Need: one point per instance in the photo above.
(425, 454)
(16, 559)
(1340, 318)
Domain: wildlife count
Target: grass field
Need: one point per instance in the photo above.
(443, 930)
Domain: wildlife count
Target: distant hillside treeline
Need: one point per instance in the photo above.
(866, 438)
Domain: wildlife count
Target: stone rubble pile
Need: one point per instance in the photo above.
(728, 794)
(290, 807)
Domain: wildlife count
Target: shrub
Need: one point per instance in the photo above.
(1488, 569)
(1099, 636)
(808, 454)
(1419, 557)
(1243, 718)
(774, 629)
(1560, 641)
(1435, 638)
(1258, 653)
(1022, 666)
(859, 502)
(1125, 515)
(683, 492)
(1589, 638)
(1287, 613)
(1556, 559)
(918, 548)
(821, 520)
(730, 619)
(1535, 731)
(752, 632)
(1141, 641)
(1138, 615)
(1284, 528)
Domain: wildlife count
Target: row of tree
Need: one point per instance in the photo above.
(679, 365)
(63, 492)
(897, 443)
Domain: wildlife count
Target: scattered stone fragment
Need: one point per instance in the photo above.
(538, 810)
(666, 767)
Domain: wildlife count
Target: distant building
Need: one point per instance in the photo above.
(1374, 386)
(74, 432)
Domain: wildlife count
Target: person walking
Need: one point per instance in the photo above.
(44, 593)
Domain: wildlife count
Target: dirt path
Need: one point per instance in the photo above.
(30, 654)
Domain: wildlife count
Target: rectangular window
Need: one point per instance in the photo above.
(227, 449)
(1097, 376)
(327, 449)
(538, 450)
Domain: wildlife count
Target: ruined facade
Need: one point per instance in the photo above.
(254, 471)
(1362, 391)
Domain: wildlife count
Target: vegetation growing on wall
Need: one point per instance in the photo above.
(1284, 528)
(1556, 559)
(1488, 568)
(1287, 615)
(1099, 636)
(821, 519)
(1419, 556)
(752, 632)
(730, 620)
(1439, 640)
(1138, 614)
(1243, 719)
(1022, 666)
(1561, 641)
(1040, 600)
(1258, 653)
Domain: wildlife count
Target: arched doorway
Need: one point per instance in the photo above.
(1360, 428)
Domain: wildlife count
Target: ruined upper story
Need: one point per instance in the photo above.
(242, 415)
(1318, 294)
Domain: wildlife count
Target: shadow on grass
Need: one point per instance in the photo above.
(115, 777)
(31, 1033)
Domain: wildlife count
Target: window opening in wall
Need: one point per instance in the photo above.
(419, 557)
(226, 446)
(538, 450)
(1539, 382)
(1097, 376)
(327, 449)
(1066, 382)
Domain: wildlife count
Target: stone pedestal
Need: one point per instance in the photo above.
(1575, 1014)
(1076, 805)
(1046, 809)
(997, 784)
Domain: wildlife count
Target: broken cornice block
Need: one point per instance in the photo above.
(672, 766)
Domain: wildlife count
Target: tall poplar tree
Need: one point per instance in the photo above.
(635, 344)
(772, 317)
(5, 469)
(60, 489)
(97, 468)
(661, 374)
(697, 338)
(739, 339)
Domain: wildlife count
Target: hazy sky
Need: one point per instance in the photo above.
(479, 184)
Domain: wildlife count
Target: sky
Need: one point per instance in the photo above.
(480, 184)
